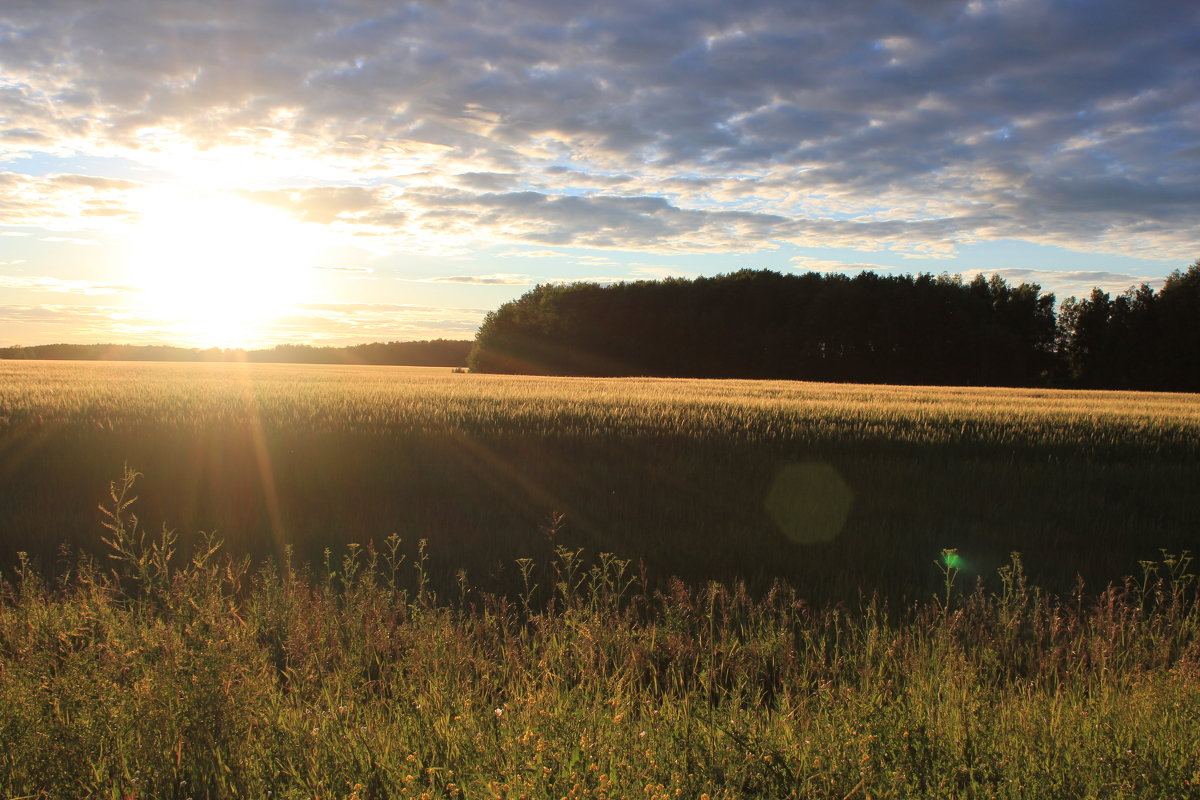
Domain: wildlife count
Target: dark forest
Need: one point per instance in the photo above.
(922, 329)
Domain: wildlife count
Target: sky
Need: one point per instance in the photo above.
(251, 172)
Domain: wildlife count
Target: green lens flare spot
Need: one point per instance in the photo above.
(953, 560)
(809, 502)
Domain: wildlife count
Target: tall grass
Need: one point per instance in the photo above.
(128, 676)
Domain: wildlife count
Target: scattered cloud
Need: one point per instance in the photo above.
(594, 261)
(487, 181)
(60, 286)
(808, 264)
(72, 240)
(652, 272)
(694, 125)
(350, 323)
(1071, 283)
(531, 254)
(446, 127)
(64, 202)
(52, 323)
(331, 204)
(497, 279)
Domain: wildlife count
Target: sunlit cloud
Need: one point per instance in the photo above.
(60, 286)
(54, 322)
(64, 202)
(809, 264)
(498, 279)
(348, 323)
(530, 254)
(651, 271)
(72, 240)
(1072, 283)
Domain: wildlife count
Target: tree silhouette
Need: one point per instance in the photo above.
(763, 324)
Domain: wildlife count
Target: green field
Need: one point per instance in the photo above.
(833, 487)
(508, 658)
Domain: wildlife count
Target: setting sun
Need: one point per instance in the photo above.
(217, 268)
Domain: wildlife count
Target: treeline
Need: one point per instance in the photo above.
(921, 329)
(434, 353)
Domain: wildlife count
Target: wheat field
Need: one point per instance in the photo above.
(834, 487)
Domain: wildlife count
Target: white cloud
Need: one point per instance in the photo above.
(72, 240)
(350, 323)
(64, 202)
(531, 254)
(809, 264)
(60, 285)
(495, 279)
(653, 272)
(1071, 283)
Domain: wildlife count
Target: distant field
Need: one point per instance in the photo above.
(833, 487)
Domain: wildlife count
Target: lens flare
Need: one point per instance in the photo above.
(809, 502)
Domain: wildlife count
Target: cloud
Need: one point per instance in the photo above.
(352, 323)
(674, 126)
(486, 181)
(71, 240)
(653, 272)
(329, 204)
(55, 323)
(530, 254)
(808, 264)
(60, 285)
(636, 223)
(64, 202)
(1072, 283)
(497, 279)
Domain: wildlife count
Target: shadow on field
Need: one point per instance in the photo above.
(827, 520)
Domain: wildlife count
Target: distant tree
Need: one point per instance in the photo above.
(435, 353)
(1139, 340)
(1086, 327)
(1178, 309)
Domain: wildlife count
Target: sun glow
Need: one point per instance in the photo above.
(219, 270)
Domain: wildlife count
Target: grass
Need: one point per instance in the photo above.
(127, 676)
